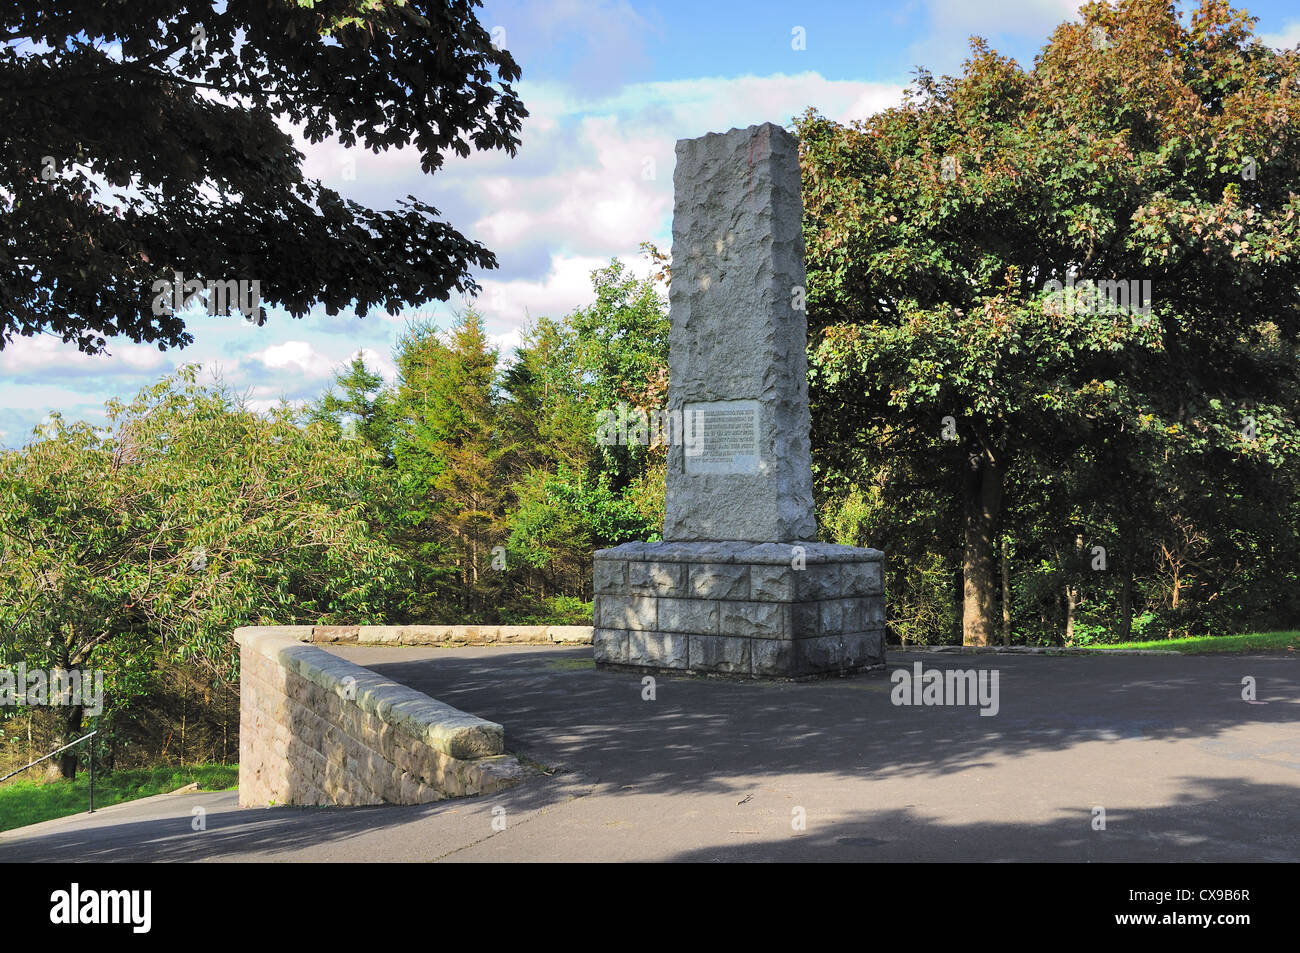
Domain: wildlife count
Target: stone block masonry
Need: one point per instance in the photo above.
(315, 729)
(783, 610)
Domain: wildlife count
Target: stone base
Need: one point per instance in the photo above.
(765, 610)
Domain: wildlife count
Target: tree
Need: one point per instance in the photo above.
(935, 230)
(546, 405)
(363, 411)
(449, 450)
(187, 516)
(569, 493)
(548, 419)
(622, 348)
(142, 140)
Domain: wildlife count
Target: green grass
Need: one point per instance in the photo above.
(25, 802)
(570, 664)
(1250, 642)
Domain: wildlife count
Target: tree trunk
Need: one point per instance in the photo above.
(1071, 604)
(983, 493)
(65, 765)
(1006, 591)
(1126, 603)
(185, 708)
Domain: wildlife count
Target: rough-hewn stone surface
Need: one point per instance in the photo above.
(736, 335)
(317, 729)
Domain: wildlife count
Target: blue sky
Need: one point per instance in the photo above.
(610, 87)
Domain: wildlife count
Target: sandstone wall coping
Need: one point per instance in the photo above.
(453, 732)
(443, 634)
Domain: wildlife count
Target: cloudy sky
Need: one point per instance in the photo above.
(610, 87)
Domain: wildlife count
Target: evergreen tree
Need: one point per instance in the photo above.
(451, 454)
(363, 410)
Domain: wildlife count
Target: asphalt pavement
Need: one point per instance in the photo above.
(1164, 750)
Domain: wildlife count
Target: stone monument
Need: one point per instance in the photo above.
(739, 584)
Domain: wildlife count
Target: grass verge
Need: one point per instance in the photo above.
(24, 802)
(1249, 642)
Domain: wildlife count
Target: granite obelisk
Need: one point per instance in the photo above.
(737, 344)
(739, 584)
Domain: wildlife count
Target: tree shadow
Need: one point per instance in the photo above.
(1211, 820)
(699, 733)
(1171, 723)
(165, 832)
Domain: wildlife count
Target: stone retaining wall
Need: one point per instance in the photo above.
(315, 729)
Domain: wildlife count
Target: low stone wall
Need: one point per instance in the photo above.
(450, 634)
(315, 729)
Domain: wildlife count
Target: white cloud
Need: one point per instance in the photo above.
(1288, 37)
(297, 370)
(505, 344)
(566, 286)
(381, 363)
(265, 398)
(610, 185)
(593, 176)
(299, 356)
(874, 98)
(39, 355)
(25, 404)
(951, 23)
(592, 180)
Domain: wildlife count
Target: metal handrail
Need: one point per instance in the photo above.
(57, 751)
